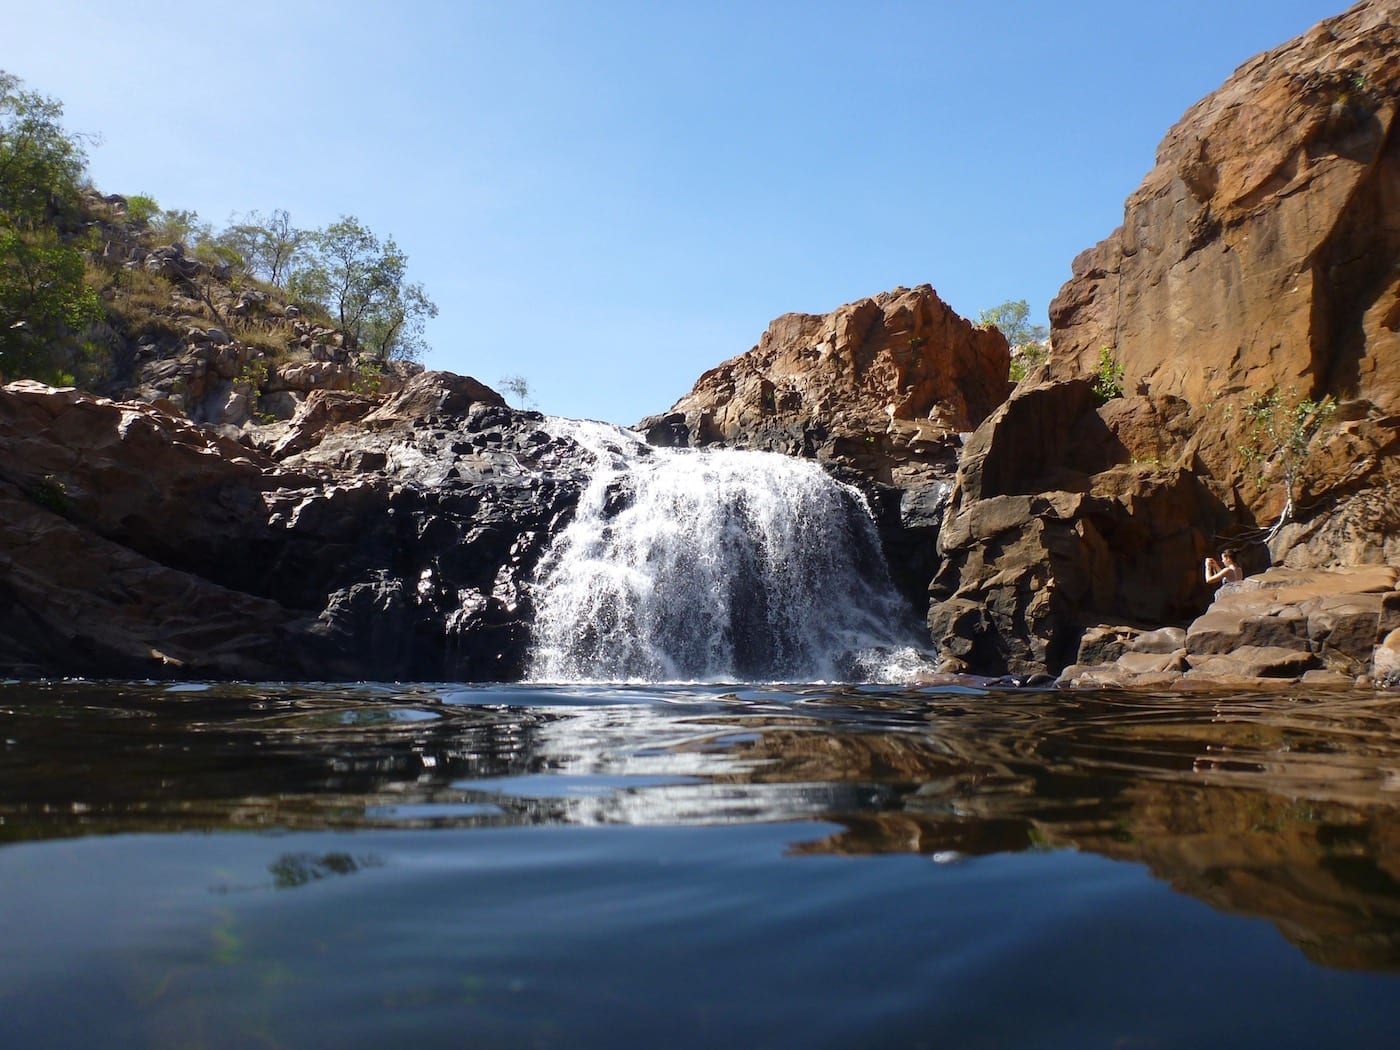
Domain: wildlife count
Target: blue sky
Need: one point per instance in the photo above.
(610, 198)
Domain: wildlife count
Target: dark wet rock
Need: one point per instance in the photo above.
(368, 540)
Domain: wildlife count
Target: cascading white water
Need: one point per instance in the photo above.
(713, 565)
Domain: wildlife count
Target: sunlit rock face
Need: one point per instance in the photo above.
(1263, 251)
(368, 539)
(880, 384)
(1053, 525)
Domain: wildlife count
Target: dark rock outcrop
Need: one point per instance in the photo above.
(371, 538)
(1052, 527)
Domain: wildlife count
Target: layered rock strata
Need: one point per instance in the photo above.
(1320, 628)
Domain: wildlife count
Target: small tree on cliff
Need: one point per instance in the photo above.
(1026, 340)
(1013, 321)
(40, 163)
(268, 245)
(359, 280)
(1280, 430)
(520, 387)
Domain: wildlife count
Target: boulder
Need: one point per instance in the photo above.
(1324, 628)
(1253, 661)
(1048, 530)
(1334, 616)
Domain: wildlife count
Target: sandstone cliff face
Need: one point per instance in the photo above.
(1261, 253)
(1262, 248)
(882, 385)
(369, 538)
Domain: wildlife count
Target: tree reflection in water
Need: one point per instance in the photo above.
(1284, 806)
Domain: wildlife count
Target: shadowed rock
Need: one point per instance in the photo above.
(369, 539)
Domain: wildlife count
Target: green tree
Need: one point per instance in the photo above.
(1026, 340)
(359, 280)
(1279, 432)
(179, 224)
(520, 387)
(1108, 376)
(41, 165)
(1013, 321)
(396, 328)
(43, 297)
(141, 208)
(268, 245)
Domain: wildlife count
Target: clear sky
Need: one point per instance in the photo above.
(609, 198)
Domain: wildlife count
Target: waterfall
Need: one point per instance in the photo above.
(714, 565)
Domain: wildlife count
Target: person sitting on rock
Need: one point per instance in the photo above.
(1226, 569)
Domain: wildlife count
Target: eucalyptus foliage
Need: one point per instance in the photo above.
(43, 296)
(360, 281)
(1280, 428)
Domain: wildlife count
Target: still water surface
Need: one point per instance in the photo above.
(440, 866)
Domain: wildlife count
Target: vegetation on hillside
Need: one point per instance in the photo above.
(89, 282)
(1027, 340)
(1280, 428)
(43, 294)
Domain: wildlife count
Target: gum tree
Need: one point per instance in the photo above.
(43, 297)
(360, 281)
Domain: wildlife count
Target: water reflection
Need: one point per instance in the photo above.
(1285, 806)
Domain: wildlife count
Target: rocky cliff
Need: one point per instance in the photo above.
(369, 537)
(391, 533)
(1263, 252)
(1261, 255)
(182, 327)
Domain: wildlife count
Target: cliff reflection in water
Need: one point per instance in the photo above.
(1284, 807)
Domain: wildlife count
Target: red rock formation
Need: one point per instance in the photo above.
(883, 385)
(1051, 526)
(1263, 249)
(1263, 252)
